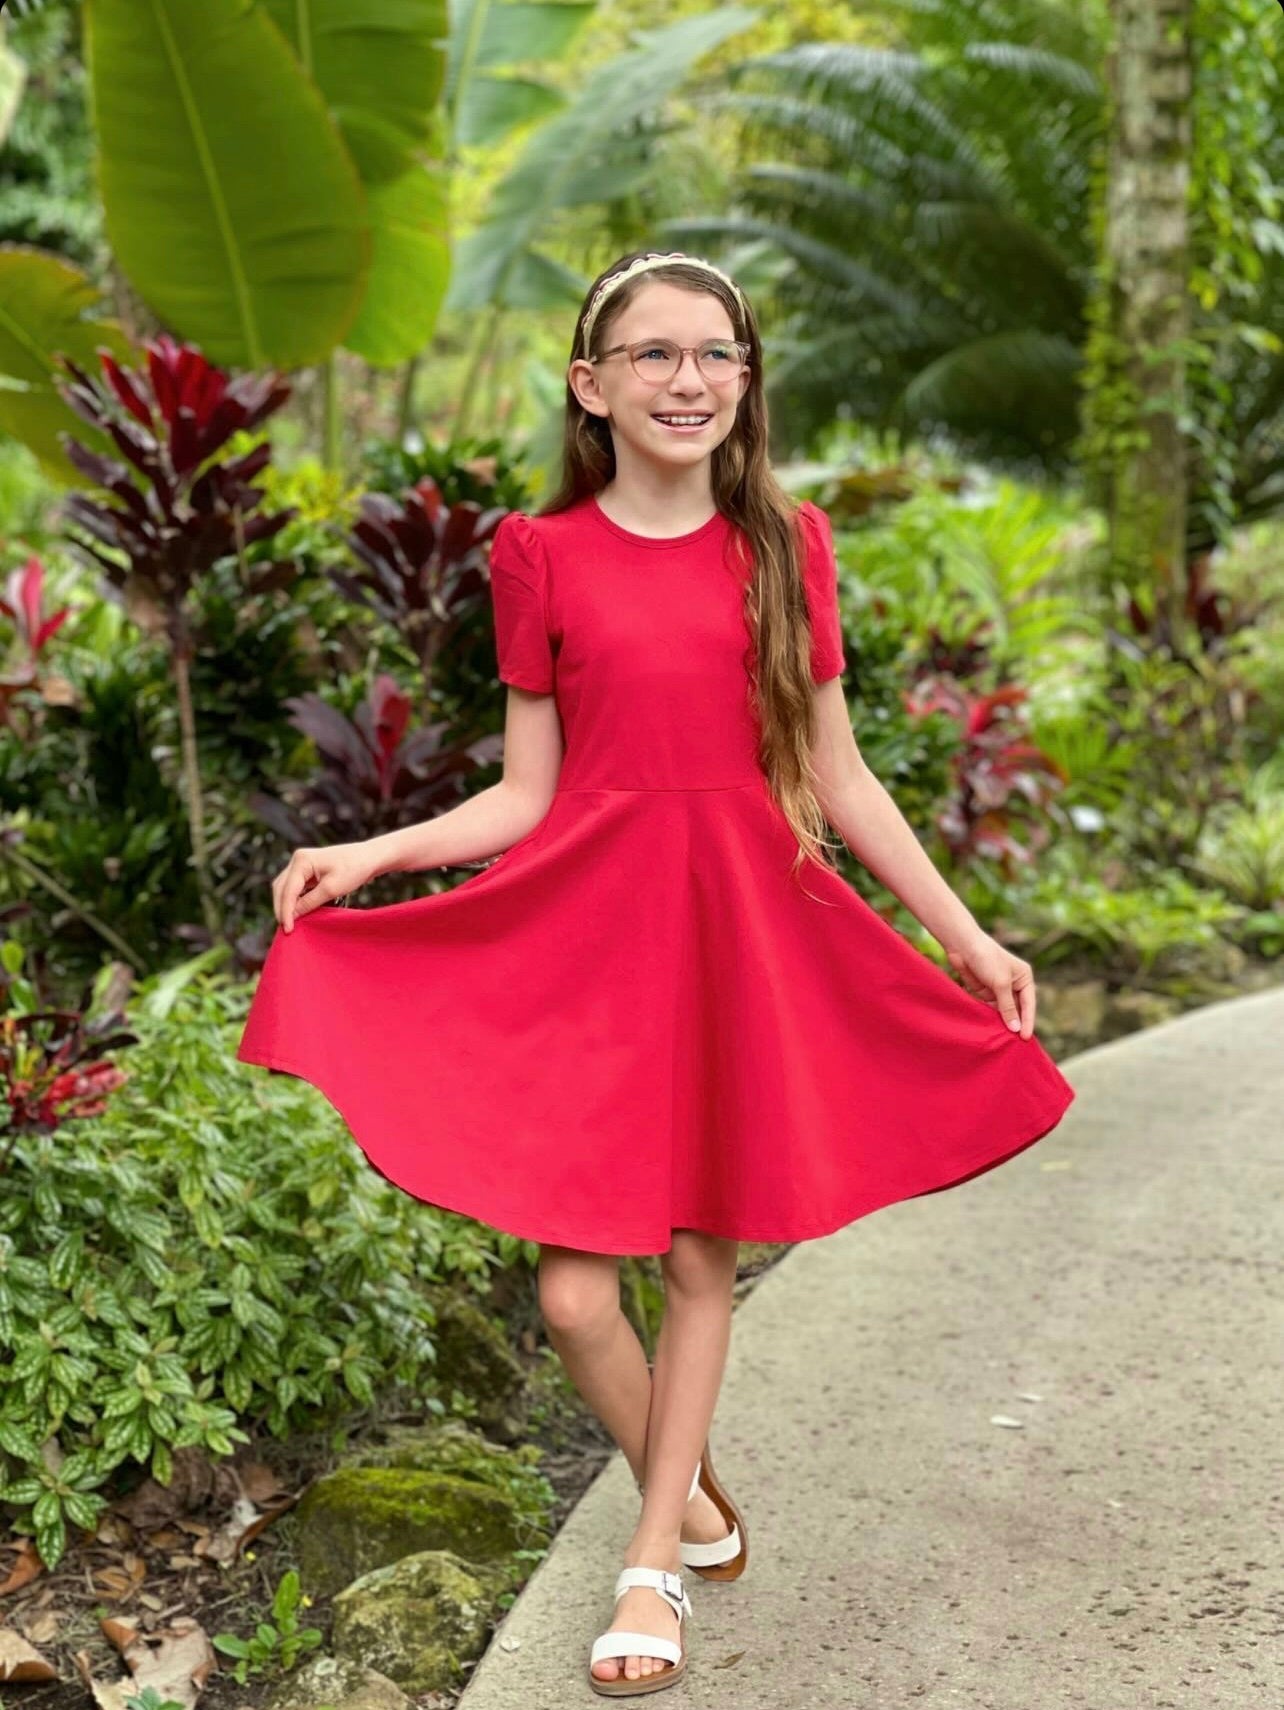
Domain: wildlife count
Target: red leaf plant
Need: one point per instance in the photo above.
(993, 766)
(53, 1066)
(424, 564)
(23, 604)
(378, 773)
(172, 508)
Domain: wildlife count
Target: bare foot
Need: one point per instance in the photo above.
(642, 1610)
(703, 1522)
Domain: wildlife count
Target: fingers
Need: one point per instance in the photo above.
(320, 893)
(1012, 992)
(289, 898)
(1017, 1002)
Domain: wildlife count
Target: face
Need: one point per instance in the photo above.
(634, 407)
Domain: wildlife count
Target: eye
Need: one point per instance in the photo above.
(650, 352)
(720, 352)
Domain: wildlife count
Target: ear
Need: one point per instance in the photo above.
(581, 376)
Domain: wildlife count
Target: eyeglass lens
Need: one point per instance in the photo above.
(658, 360)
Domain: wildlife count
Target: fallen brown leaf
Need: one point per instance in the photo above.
(21, 1661)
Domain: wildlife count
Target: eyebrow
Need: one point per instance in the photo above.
(653, 338)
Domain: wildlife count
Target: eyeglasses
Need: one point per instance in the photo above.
(656, 360)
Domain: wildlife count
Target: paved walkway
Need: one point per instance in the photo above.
(1117, 1289)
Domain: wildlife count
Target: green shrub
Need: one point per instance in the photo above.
(1130, 926)
(211, 1253)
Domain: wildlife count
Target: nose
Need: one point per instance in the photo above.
(680, 371)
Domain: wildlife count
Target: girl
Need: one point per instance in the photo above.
(661, 1022)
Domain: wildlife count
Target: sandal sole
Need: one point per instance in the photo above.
(733, 1517)
(621, 1687)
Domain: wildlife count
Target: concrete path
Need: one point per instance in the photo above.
(1117, 1289)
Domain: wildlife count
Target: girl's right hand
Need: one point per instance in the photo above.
(318, 876)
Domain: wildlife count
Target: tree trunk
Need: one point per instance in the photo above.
(1147, 256)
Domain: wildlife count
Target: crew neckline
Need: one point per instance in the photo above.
(649, 539)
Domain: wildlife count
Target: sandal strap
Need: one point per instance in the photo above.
(624, 1644)
(710, 1555)
(667, 1585)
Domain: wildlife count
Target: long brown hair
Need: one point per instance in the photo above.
(766, 518)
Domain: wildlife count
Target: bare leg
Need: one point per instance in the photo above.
(579, 1297)
(699, 1274)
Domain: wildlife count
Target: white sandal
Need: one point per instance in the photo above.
(620, 1644)
(724, 1558)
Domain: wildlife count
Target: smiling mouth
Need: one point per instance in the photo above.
(684, 421)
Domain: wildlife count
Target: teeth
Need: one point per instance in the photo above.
(683, 421)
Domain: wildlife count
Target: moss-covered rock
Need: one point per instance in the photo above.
(450, 1446)
(420, 1619)
(1073, 1010)
(1129, 1012)
(359, 1518)
(474, 1357)
(322, 1682)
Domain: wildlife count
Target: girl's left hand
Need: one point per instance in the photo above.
(994, 974)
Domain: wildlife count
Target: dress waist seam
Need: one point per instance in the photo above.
(652, 789)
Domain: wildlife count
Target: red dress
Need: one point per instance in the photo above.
(636, 1020)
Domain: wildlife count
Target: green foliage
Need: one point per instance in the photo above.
(1158, 928)
(26, 495)
(597, 149)
(480, 469)
(988, 557)
(101, 814)
(920, 213)
(46, 189)
(96, 787)
(1241, 848)
(277, 1644)
(1237, 235)
(911, 756)
(211, 1250)
(1178, 722)
(150, 1699)
(950, 571)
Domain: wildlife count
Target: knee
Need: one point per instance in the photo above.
(578, 1293)
(698, 1264)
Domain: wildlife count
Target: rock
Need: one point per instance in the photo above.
(474, 1357)
(1209, 964)
(444, 1445)
(337, 1681)
(450, 1446)
(1129, 1012)
(1071, 1012)
(419, 1619)
(360, 1517)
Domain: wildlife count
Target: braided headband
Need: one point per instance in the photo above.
(642, 265)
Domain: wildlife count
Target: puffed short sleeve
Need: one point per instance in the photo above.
(820, 578)
(517, 585)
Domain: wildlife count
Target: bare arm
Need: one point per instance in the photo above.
(493, 819)
(872, 826)
(486, 823)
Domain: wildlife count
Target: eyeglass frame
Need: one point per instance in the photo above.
(683, 350)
